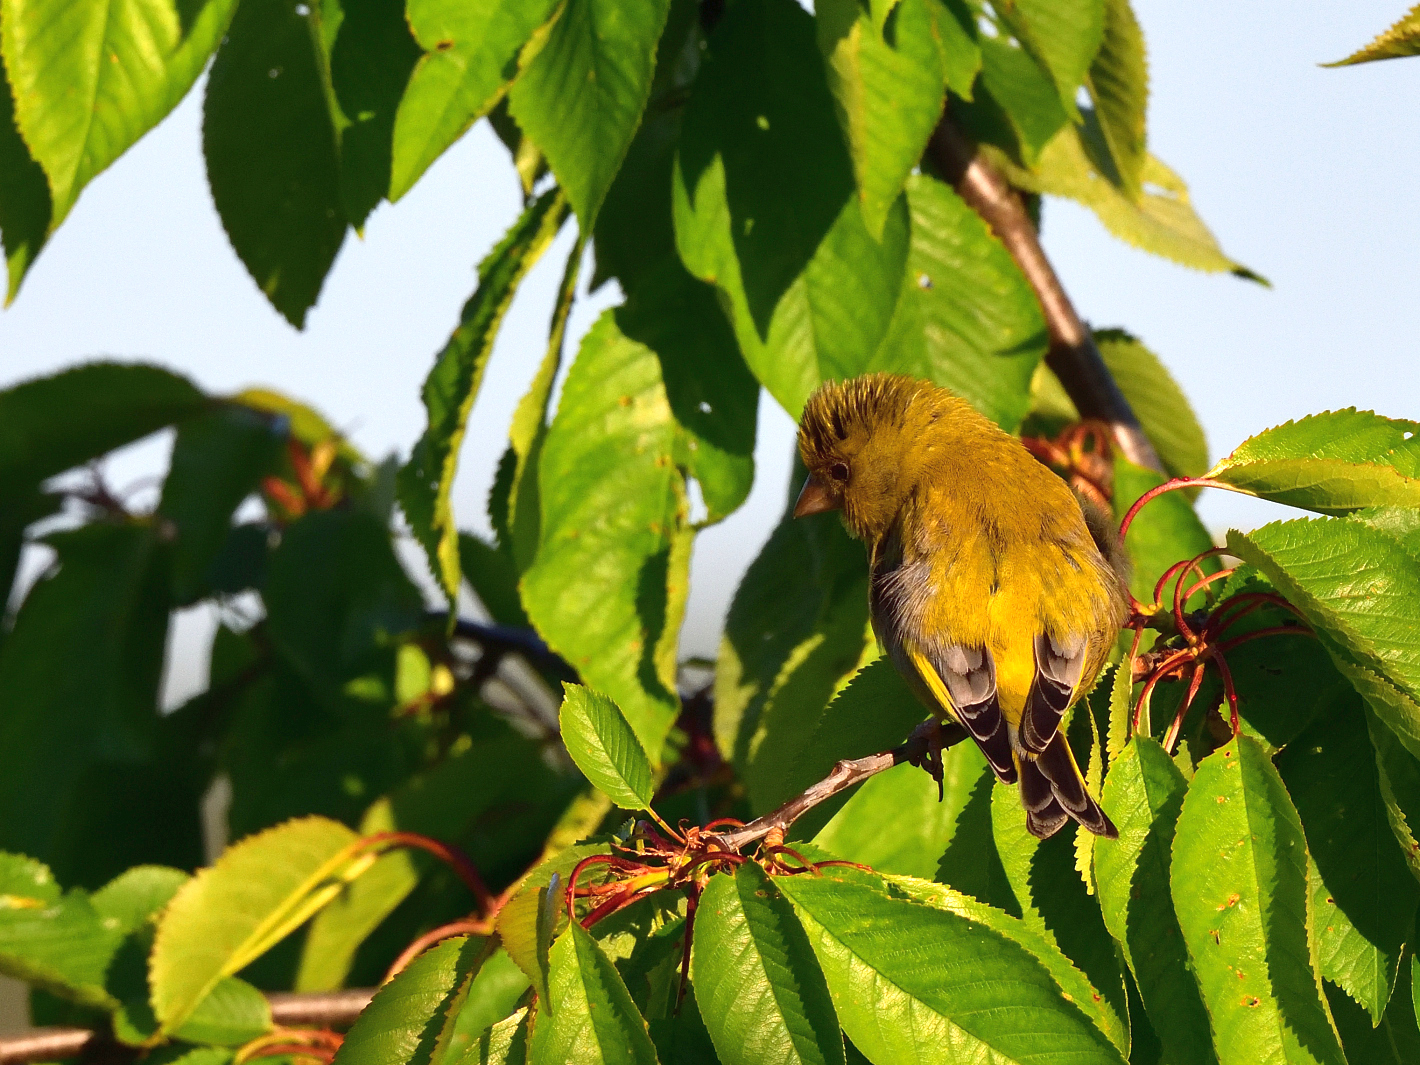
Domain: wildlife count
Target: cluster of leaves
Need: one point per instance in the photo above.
(759, 182)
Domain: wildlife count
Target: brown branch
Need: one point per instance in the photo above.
(1072, 353)
(323, 1009)
(928, 739)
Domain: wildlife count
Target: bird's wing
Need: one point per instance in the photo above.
(963, 681)
(1058, 666)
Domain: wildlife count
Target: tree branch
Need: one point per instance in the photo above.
(922, 748)
(1072, 354)
(323, 1009)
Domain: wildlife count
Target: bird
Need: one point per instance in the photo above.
(995, 590)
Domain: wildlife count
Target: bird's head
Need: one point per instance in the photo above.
(861, 442)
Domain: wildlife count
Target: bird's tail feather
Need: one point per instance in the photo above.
(1053, 789)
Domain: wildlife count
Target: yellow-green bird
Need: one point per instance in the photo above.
(995, 596)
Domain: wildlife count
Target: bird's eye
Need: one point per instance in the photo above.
(838, 471)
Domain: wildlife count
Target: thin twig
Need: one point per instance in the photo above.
(845, 775)
(321, 1009)
(1072, 354)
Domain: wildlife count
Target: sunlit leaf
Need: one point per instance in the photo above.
(588, 1016)
(605, 747)
(1402, 39)
(1118, 81)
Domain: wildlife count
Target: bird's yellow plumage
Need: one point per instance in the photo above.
(991, 591)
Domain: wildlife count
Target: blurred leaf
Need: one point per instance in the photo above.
(607, 587)
(895, 821)
(367, 57)
(1016, 95)
(23, 507)
(605, 748)
(1052, 897)
(1400, 40)
(1395, 1041)
(1118, 81)
(909, 980)
(1064, 34)
(259, 891)
(338, 599)
(480, 779)
(426, 481)
(1333, 463)
(583, 85)
(79, 676)
(218, 461)
(24, 193)
(307, 425)
(1162, 222)
(1165, 531)
(273, 159)
(966, 318)
(889, 81)
(56, 941)
(50, 424)
(493, 575)
(1143, 795)
(588, 1016)
(759, 988)
(1359, 589)
(1240, 889)
(810, 292)
(90, 79)
(409, 1018)
(1364, 897)
(470, 56)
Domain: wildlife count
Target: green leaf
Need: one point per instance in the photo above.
(517, 921)
(1166, 531)
(426, 481)
(218, 461)
(966, 317)
(1162, 222)
(1121, 697)
(493, 575)
(24, 192)
(272, 155)
(889, 81)
(895, 822)
(757, 983)
(605, 747)
(506, 1043)
(588, 1016)
(1394, 1041)
(970, 864)
(494, 991)
(1053, 899)
(367, 55)
(409, 1016)
(909, 981)
(1240, 889)
(338, 599)
(1364, 897)
(1143, 795)
(1015, 99)
(470, 56)
(1158, 402)
(228, 915)
(50, 424)
(1118, 81)
(607, 587)
(1333, 463)
(1065, 35)
(233, 1013)
(79, 677)
(90, 79)
(1402, 39)
(1398, 775)
(810, 291)
(55, 941)
(796, 631)
(581, 91)
(1073, 983)
(1358, 588)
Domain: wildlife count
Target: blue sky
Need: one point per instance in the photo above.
(1307, 175)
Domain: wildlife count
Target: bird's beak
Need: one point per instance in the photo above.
(814, 499)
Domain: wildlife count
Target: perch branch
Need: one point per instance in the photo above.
(324, 1009)
(920, 746)
(1072, 353)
